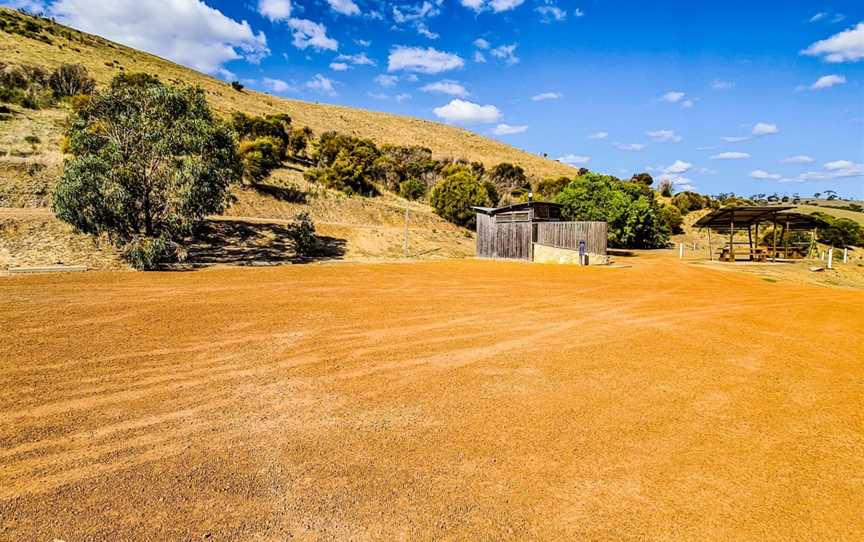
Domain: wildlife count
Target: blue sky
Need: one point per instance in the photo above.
(749, 97)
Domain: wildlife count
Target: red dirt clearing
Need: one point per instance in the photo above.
(454, 400)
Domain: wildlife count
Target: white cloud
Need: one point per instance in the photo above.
(764, 128)
(507, 53)
(186, 31)
(764, 175)
(416, 59)
(827, 81)
(599, 135)
(402, 97)
(678, 168)
(386, 80)
(839, 169)
(818, 17)
(277, 86)
(665, 136)
(321, 84)
(358, 60)
(846, 46)
(717, 84)
(629, 146)
(462, 112)
(311, 34)
(506, 129)
(413, 14)
(363, 43)
(339, 66)
(550, 14)
(275, 10)
(453, 88)
(495, 5)
(800, 159)
(547, 96)
(423, 30)
(680, 182)
(678, 97)
(480, 43)
(736, 139)
(30, 6)
(345, 7)
(839, 164)
(479, 58)
(574, 160)
(731, 156)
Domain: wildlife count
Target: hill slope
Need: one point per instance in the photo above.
(105, 59)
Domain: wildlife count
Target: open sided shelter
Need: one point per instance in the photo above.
(512, 232)
(729, 220)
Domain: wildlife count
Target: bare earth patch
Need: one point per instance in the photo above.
(445, 400)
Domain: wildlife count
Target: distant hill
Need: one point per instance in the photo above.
(56, 44)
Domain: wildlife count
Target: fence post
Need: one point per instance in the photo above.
(681, 251)
(845, 255)
(831, 258)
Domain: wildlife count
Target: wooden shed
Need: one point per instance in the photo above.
(512, 232)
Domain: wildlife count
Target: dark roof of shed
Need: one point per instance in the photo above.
(747, 215)
(514, 207)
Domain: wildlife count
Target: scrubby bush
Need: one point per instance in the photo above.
(670, 218)
(666, 187)
(454, 196)
(345, 163)
(237, 85)
(299, 141)
(302, 234)
(510, 178)
(549, 188)
(690, 201)
(629, 208)
(398, 164)
(148, 253)
(71, 79)
(412, 189)
(258, 158)
(644, 178)
(839, 232)
(150, 162)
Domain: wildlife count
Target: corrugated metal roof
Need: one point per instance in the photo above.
(514, 207)
(746, 215)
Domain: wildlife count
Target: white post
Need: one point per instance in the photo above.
(822, 256)
(681, 251)
(845, 255)
(831, 258)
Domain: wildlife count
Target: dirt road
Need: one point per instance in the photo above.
(453, 400)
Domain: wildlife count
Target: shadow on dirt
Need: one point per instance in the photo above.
(282, 193)
(238, 242)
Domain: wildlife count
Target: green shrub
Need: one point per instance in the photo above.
(345, 163)
(840, 232)
(302, 234)
(629, 208)
(258, 158)
(412, 189)
(690, 201)
(454, 197)
(644, 178)
(670, 218)
(32, 140)
(237, 85)
(148, 253)
(549, 188)
(509, 178)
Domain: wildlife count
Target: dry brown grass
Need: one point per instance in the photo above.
(445, 141)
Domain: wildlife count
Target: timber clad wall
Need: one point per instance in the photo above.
(514, 240)
(568, 234)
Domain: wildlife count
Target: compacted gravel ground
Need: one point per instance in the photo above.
(461, 400)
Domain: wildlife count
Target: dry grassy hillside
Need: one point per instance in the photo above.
(105, 59)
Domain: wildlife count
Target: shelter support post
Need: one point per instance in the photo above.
(710, 254)
(786, 240)
(750, 240)
(774, 233)
(732, 236)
